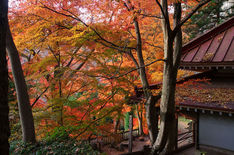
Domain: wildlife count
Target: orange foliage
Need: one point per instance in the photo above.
(56, 37)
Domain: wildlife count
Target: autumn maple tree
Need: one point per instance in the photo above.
(165, 142)
(82, 60)
(60, 59)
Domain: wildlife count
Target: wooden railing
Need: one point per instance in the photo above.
(119, 137)
(125, 134)
(113, 138)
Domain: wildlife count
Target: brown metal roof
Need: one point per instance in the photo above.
(214, 48)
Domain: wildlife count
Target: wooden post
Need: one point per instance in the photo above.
(176, 133)
(197, 132)
(194, 129)
(130, 134)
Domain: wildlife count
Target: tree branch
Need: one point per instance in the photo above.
(165, 15)
(190, 14)
(81, 64)
(87, 127)
(121, 75)
(134, 59)
(120, 50)
(73, 16)
(139, 68)
(38, 97)
(149, 15)
(52, 51)
(72, 58)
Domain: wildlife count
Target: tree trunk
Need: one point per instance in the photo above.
(139, 119)
(152, 118)
(167, 109)
(150, 109)
(117, 122)
(166, 140)
(4, 108)
(61, 104)
(57, 105)
(218, 11)
(25, 111)
(130, 136)
(57, 77)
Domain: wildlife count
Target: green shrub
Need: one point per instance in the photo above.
(57, 142)
(58, 134)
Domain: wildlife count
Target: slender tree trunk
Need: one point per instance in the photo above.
(151, 116)
(4, 108)
(117, 121)
(25, 111)
(130, 136)
(61, 104)
(139, 119)
(57, 107)
(217, 12)
(166, 140)
(167, 105)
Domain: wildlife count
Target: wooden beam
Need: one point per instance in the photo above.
(130, 133)
(197, 132)
(176, 133)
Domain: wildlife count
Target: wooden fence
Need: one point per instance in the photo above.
(119, 137)
(113, 138)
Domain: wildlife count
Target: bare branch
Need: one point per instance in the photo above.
(87, 57)
(145, 41)
(139, 68)
(120, 50)
(38, 97)
(81, 64)
(165, 14)
(72, 58)
(133, 59)
(71, 92)
(87, 127)
(149, 15)
(121, 75)
(108, 99)
(190, 14)
(154, 45)
(73, 16)
(52, 51)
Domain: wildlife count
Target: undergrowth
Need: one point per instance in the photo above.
(57, 142)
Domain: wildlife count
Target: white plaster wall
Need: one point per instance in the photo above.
(216, 131)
